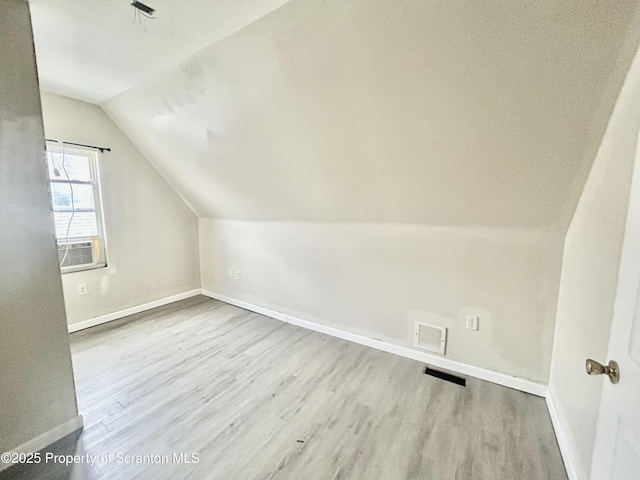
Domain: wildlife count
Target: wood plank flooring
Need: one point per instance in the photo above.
(256, 398)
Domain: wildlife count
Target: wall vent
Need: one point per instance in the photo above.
(430, 337)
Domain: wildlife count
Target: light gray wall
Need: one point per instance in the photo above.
(152, 236)
(36, 381)
(590, 274)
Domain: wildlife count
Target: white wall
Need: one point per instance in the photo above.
(378, 279)
(366, 165)
(589, 277)
(36, 381)
(472, 113)
(473, 126)
(152, 236)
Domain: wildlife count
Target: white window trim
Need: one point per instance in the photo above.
(94, 163)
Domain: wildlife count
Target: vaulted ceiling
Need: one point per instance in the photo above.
(436, 112)
(94, 49)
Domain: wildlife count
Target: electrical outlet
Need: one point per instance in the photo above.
(83, 289)
(230, 273)
(238, 276)
(472, 322)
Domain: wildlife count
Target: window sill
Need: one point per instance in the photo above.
(81, 268)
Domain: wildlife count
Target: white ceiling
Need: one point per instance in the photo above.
(91, 50)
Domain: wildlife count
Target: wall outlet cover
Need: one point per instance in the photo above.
(472, 322)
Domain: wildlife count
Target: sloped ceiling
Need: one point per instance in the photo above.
(435, 112)
(92, 50)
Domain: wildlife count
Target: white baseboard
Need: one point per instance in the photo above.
(565, 451)
(435, 360)
(92, 322)
(46, 439)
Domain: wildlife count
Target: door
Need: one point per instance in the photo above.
(616, 454)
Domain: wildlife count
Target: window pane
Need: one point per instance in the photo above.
(61, 196)
(82, 225)
(77, 166)
(78, 227)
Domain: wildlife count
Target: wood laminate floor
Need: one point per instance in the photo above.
(256, 398)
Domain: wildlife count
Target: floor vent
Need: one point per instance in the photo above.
(446, 376)
(430, 337)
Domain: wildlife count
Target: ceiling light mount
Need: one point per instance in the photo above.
(143, 8)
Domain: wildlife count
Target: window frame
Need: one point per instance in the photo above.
(101, 259)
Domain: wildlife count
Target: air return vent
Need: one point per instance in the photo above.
(430, 337)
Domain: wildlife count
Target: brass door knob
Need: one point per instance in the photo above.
(611, 370)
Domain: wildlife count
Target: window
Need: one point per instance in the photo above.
(74, 183)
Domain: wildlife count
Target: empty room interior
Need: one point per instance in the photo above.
(319, 239)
